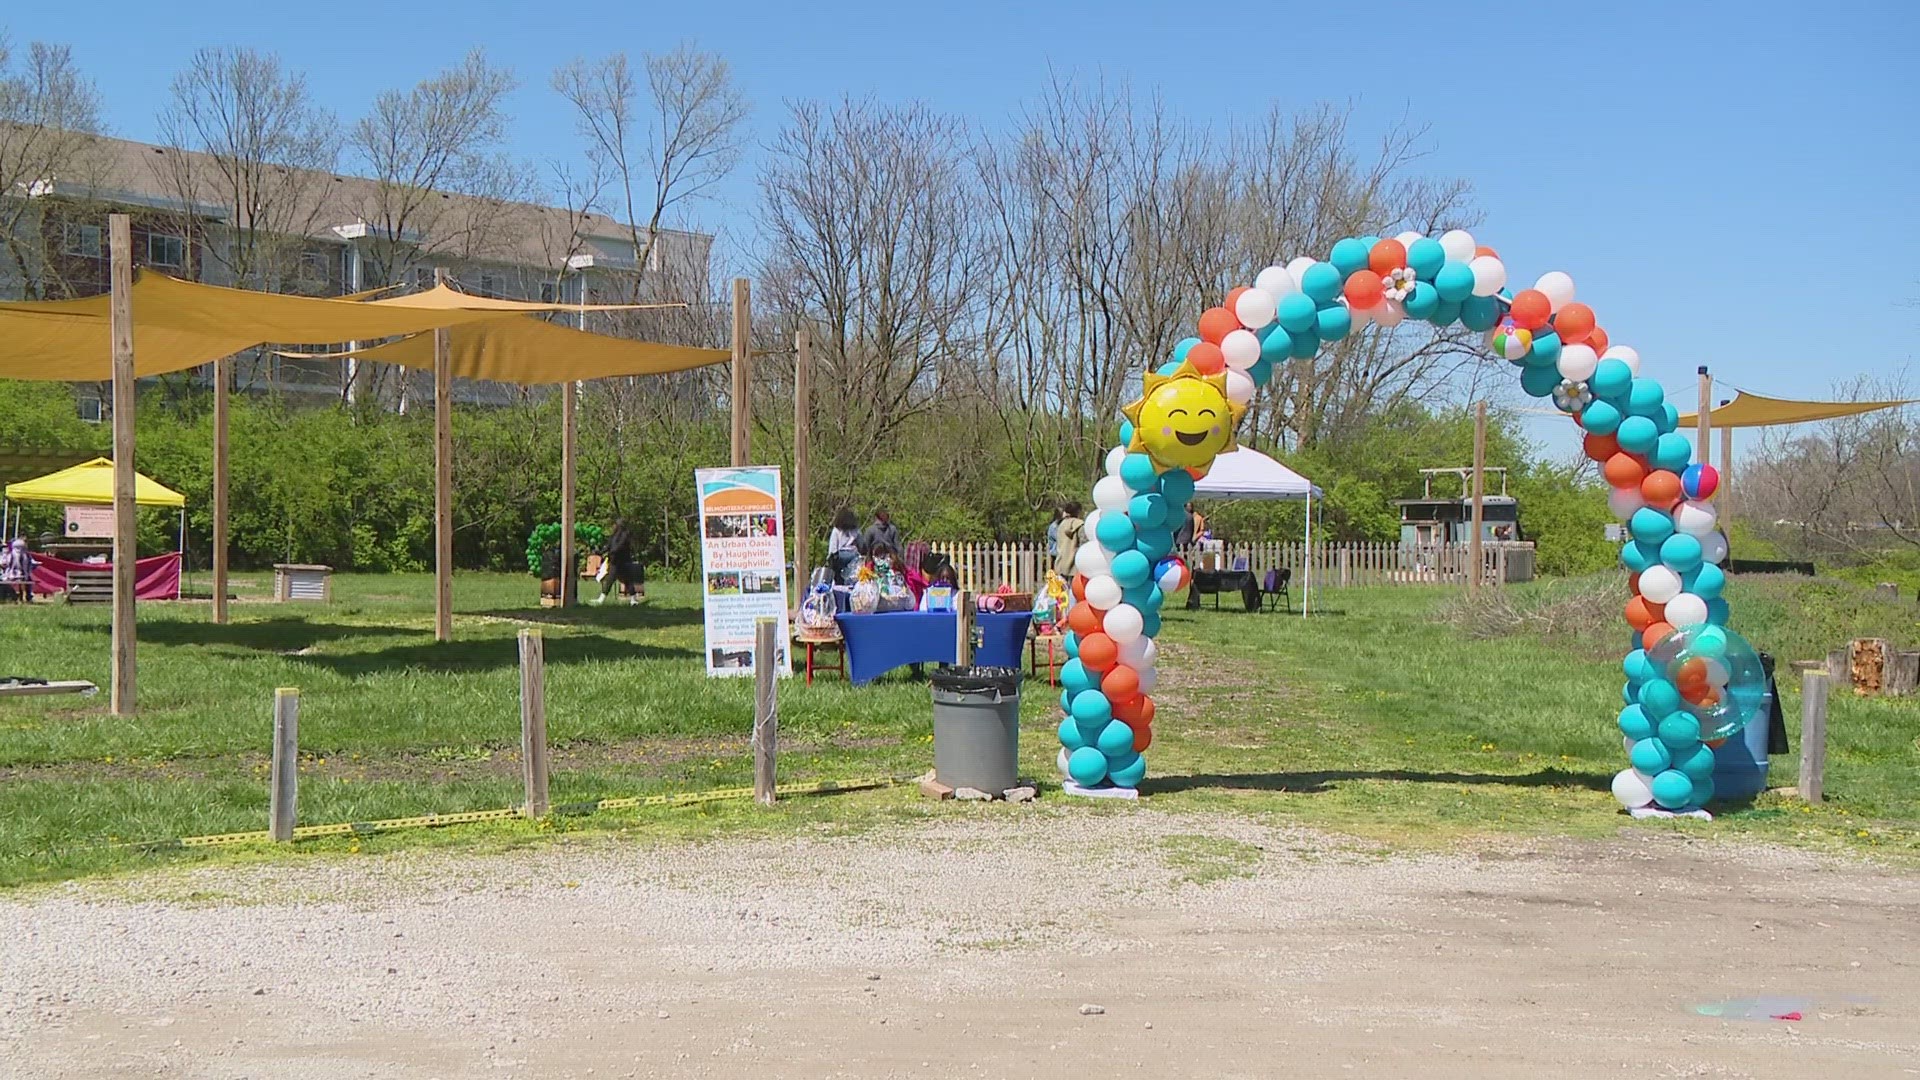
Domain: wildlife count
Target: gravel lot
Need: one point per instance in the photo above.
(1213, 945)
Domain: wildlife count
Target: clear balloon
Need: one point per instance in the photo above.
(1692, 657)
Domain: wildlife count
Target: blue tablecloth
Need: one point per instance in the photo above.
(876, 644)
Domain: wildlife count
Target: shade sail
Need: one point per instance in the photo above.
(1752, 410)
(1247, 473)
(442, 298)
(531, 351)
(91, 484)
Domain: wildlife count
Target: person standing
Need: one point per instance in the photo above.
(16, 570)
(1068, 538)
(843, 545)
(1053, 533)
(882, 533)
(623, 566)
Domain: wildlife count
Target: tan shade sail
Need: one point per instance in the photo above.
(1752, 410)
(442, 298)
(531, 351)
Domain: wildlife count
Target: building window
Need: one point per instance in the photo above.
(423, 277)
(546, 292)
(166, 251)
(315, 267)
(489, 285)
(81, 240)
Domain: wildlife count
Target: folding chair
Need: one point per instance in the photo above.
(1273, 590)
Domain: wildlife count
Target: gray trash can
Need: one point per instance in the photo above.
(976, 727)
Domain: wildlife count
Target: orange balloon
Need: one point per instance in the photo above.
(1142, 737)
(1694, 669)
(1364, 289)
(1651, 635)
(1641, 613)
(1633, 584)
(1233, 300)
(1624, 470)
(1574, 323)
(1600, 447)
(1530, 309)
(1207, 359)
(1216, 324)
(1136, 711)
(1661, 489)
(1485, 250)
(1597, 341)
(1121, 683)
(1387, 256)
(1098, 653)
(1716, 743)
(1084, 619)
(1079, 586)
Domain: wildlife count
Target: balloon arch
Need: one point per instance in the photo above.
(1690, 682)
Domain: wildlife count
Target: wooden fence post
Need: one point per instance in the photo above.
(1813, 735)
(963, 630)
(766, 709)
(533, 721)
(120, 333)
(285, 776)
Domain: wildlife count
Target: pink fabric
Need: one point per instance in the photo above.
(157, 578)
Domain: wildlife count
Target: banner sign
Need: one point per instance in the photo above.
(89, 522)
(743, 565)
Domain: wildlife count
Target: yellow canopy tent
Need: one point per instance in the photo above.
(91, 484)
(1751, 410)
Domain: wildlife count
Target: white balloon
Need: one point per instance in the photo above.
(1123, 622)
(1489, 275)
(1240, 387)
(1633, 788)
(1103, 592)
(1091, 559)
(1141, 652)
(1241, 347)
(1114, 457)
(1624, 501)
(1112, 495)
(1149, 678)
(1388, 313)
(1713, 547)
(1657, 583)
(1627, 355)
(1626, 744)
(1577, 362)
(1695, 518)
(1361, 317)
(1558, 287)
(1407, 238)
(1298, 267)
(1717, 671)
(1686, 610)
(1255, 308)
(1459, 245)
(1276, 282)
(1061, 763)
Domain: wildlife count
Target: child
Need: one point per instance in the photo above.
(16, 571)
(941, 594)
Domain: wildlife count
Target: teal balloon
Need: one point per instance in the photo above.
(1650, 756)
(1154, 543)
(1673, 789)
(1182, 347)
(1659, 699)
(1446, 314)
(1126, 432)
(1334, 322)
(1426, 257)
(1305, 345)
(1264, 332)
(1076, 677)
(1680, 552)
(1636, 556)
(1697, 763)
(1087, 766)
(1131, 568)
(1150, 623)
(1116, 739)
(1679, 731)
(1144, 598)
(1115, 531)
(1297, 313)
(1454, 281)
(1649, 526)
(1628, 693)
(1546, 350)
(1176, 486)
(1539, 381)
(1423, 301)
(1637, 435)
(1092, 708)
(1137, 472)
(1709, 641)
(1611, 381)
(1669, 418)
(1638, 666)
(1149, 509)
(1634, 723)
(1672, 452)
(1277, 347)
(1262, 369)
(1702, 789)
(1127, 773)
(1479, 312)
(1066, 702)
(1349, 255)
(1321, 282)
(1071, 643)
(1718, 611)
(1070, 736)
(1600, 418)
(1644, 397)
(1172, 368)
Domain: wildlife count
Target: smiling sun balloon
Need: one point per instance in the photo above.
(1183, 420)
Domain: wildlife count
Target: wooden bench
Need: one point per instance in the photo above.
(89, 586)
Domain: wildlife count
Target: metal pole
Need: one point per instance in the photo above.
(1703, 417)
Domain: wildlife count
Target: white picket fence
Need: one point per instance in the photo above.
(985, 567)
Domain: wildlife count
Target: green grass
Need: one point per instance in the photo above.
(1396, 716)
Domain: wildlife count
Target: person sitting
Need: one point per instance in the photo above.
(916, 581)
(941, 592)
(843, 545)
(16, 571)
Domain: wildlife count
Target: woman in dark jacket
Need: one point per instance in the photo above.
(623, 566)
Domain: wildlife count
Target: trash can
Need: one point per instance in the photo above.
(1740, 764)
(976, 727)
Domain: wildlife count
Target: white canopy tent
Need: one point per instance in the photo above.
(1246, 473)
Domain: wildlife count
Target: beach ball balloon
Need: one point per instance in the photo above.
(1512, 342)
(1718, 674)
(1700, 481)
(1172, 575)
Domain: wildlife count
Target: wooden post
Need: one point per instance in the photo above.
(286, 763)
(120, 316)
(533, 720)
(766, 710)
(802, 471)
(1479, 496)
(1813, 735)
(569, 447)
(1703, 417)
(442, 476)
(1724, 500)
(963, 630)
(742, 372)
(1903, 673)
(222, 376)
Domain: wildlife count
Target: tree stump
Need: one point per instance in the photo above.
(1839, 666)
(1903, 673)
(1886, 590)
(1868, 667)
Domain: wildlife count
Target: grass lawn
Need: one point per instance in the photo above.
(1398, 715)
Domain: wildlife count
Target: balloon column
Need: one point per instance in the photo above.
(1689, 679)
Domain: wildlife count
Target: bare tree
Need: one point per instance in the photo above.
(1847, 487)
(687, 140)
(49, 115)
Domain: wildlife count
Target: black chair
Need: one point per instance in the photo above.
(1273, 590)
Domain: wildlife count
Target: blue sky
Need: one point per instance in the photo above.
(1728, 184)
